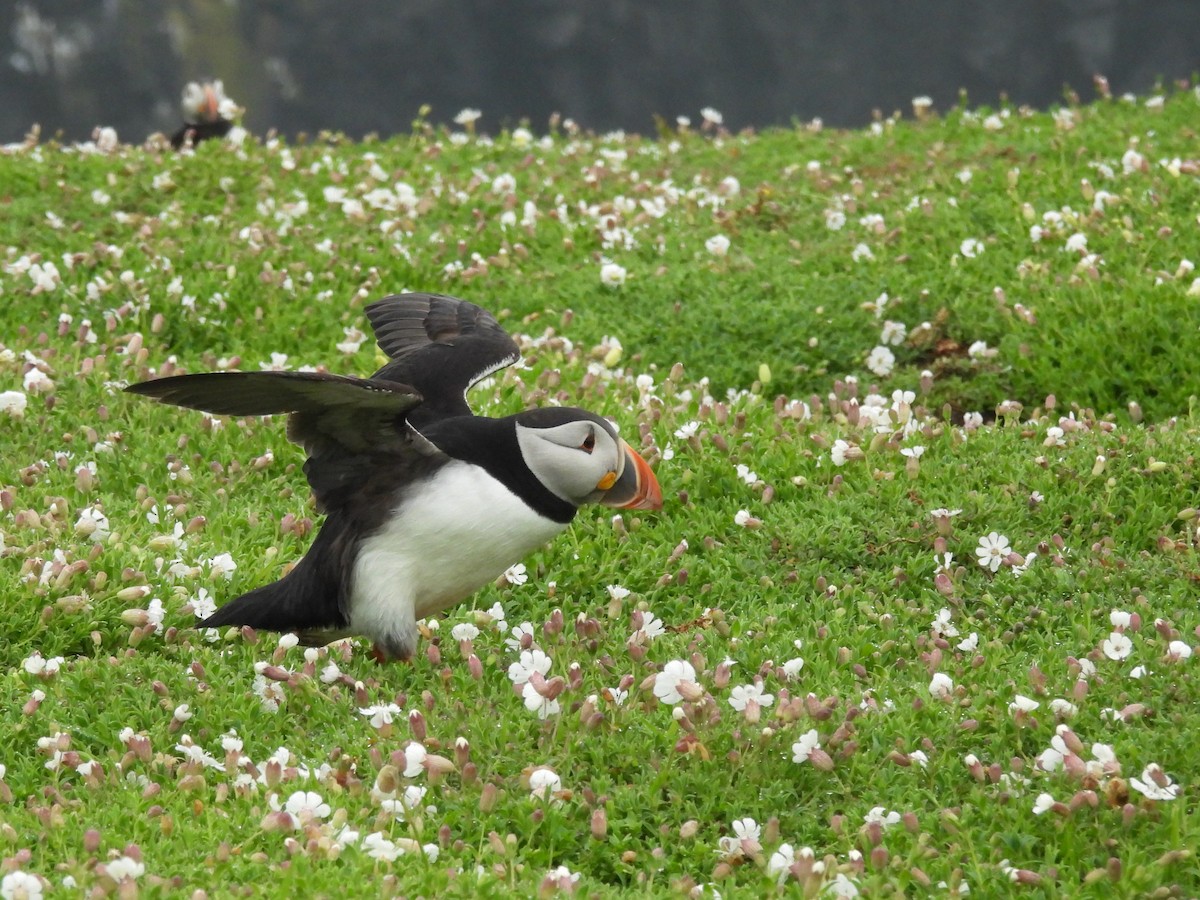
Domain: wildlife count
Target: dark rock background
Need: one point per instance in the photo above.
(362, 66)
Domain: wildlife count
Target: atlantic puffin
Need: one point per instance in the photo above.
(207, 113)
(425, 502)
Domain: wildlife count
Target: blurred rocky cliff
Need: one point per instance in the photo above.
(368, 65)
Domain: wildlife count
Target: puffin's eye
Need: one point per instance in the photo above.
(589, 442)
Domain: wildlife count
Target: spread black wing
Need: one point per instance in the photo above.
(345, 424)
(361, 453)
(441, 346)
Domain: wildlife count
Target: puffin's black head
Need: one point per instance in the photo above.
(579, 457)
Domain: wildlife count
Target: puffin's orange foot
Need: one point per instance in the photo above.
(378, 655)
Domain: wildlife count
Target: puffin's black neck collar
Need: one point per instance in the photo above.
(492, 445)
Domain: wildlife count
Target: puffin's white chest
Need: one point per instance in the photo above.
(454, 534)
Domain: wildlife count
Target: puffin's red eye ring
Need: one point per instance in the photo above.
(589, 442)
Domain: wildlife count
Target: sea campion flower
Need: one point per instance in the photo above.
(992, 550)
(1117, 646)
(881, 361)
(747, 836)
(941, 686)
(745, 694)
(718, 245)
(13, 403)
(612, 275)
(306, 806)
(808, 749)
(971, 248)
(1155, 784)
(381, 714)
(652, 627)
(544, 782)
(516, 574)
(544, 707)
(531, 661)
(677, 677)
(881, 816)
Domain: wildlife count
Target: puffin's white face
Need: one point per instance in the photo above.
(577, 461)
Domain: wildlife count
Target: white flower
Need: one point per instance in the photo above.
(543, 782)
(616, 592)
(881, 816)
(881, 360)
(744, 473)
(977, 350)
(969, 644)
(414, 759)
(992, 550)
(687, 430)
(803, 748)
(652, 627)
(530, 661)
(305, 806)
(13, 403)
(667, 682)
(223, 565)
(203, 604)
(124, 867)
(467, 116)
(22, 885)
(837, 453)
(781, 862)
(381, 714)
(1120, 619)
(971, 248)
(1063, 709)
(860, 252)
(1117, 646)
(747, 829)
(1076, 243)
(518, 633)
(536, 703)
(942, 625)
(1178, 650)
(1023, 704)
(712, 116)
(378, 847)
(941, 686)
(792, 667)
(1043, 803)
(718, 245)
(270, 693)
(742, 517)
(464, 631)
(893, 333)
(841, 886)
(516, 574)
(741, 695)
(612, 274)
(36, 664)
(1155, 783)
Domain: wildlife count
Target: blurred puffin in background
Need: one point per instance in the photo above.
(207, 113)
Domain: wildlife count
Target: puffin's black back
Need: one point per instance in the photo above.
(440, 346)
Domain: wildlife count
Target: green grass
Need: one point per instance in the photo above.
(239, 254)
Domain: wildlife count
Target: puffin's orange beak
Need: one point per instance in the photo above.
(211, 108)
(637, 488)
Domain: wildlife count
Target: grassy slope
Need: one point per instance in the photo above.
(843, 560)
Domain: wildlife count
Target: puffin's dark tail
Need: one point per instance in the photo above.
(308, 598)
